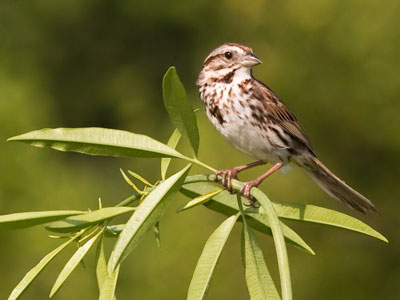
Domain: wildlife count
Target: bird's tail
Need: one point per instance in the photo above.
(333, 185)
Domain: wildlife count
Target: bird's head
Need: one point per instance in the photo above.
(228, 58)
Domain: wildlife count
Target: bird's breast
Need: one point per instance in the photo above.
(236, 116)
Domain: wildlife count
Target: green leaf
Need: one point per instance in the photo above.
(200, 200)
(146, 215)
(108, 290)
(129, 182)
(258, 278)
(225, 203)
(279, 241)
(209, 258)
(29, 219)
(75, 223)
(101, 264)
(101, 271)
(165, 161)
(36, 270)
(179, 108)
(140, 178)
(98, 141)
(276, 228)
(73, 263)
(325, 216)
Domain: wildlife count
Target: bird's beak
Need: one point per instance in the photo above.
(251, 60)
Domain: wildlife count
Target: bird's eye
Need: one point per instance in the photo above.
(228, 55)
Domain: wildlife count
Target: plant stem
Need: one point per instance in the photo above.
(129, 200)
(242, 213)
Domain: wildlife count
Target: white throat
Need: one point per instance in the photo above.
(241, 74)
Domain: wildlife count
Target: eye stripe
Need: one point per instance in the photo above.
(211, 58)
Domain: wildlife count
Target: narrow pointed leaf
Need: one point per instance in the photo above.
(179, 108)
(258, 278)
(129, 182)
(29, 219)
(225, 203)
(200, 200)
(73, 263)
(209, 258)
(75, 223)
(165, 161)
(279, 241)
(98, 141)
(277, 233)
(325, 216)
(101, 264)
(140, 178)
(108, 290)
(102, 274)
(36, 270)
(146, 215)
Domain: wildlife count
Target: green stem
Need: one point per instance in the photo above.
(89, 235)
(242, 213)
(129, 200)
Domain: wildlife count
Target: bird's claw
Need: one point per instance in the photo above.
(245, 190)
(226, 177)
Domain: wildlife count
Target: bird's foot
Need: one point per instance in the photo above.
(226, 177)
(245, 190)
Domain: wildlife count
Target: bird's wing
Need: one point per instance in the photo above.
(279, 113)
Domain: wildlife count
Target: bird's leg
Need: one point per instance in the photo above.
(245, 190)
(229, 174)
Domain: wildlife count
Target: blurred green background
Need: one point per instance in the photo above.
(77, 63)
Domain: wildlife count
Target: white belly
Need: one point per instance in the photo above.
(245, 138)
(239, 128)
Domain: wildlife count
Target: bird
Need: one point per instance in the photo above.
(255, 121)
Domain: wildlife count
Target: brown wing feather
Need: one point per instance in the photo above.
(278, 111)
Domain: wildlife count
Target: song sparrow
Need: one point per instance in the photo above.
(256, 122)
